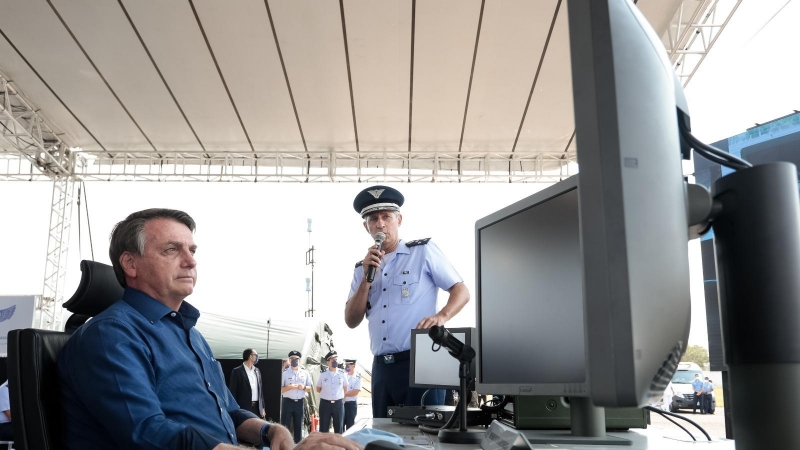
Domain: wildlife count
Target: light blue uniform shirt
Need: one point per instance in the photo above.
(708, 387)
(333, 383)
(5, 403)
(353, 382)
(697, 385)
(403, 293)
(291, 377)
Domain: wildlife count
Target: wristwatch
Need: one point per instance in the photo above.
(264, 436)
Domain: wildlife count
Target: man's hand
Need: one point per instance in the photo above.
(431, 321)
(324, 441)
(373, 258)
(280, 438)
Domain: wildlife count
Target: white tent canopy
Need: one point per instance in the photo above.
(273, 338)
(302, 90)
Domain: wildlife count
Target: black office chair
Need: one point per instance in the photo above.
(32, 354)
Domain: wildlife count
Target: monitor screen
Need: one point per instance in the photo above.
(435, 369)
(530, 297)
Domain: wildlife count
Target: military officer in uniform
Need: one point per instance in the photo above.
(351, 396)
(402, 296)
(332, 385)
(295, 382)
(697, 386)
(708, 388)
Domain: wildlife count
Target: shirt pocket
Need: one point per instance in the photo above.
(404, 289)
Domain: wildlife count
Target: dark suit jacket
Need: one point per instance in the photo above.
(240, 388)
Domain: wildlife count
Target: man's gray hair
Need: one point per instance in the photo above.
(128, 235)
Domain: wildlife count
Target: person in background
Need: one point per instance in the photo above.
(708, 388)
(669, 392)
(295, 382)
(401, 297)
(697, 386)
(245, 384)
(6, 430)
(351, 396)
(331, 385)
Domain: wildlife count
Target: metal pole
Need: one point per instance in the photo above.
(757, 245)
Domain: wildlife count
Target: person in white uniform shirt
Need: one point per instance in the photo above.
(6, 430)
(332, 385)
(295, 382)
(351, 396)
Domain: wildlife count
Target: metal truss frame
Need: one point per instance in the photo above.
(692, 32)
(40, 154)
(26, 131)
(312, 167)
(50, 307)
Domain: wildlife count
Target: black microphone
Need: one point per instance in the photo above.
(379, 238)
(441, 336)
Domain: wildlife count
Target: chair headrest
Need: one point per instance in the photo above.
(97, 290)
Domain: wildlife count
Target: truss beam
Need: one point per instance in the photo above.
(312, 167)
(692, 32)
(24, 129)
(50, 307)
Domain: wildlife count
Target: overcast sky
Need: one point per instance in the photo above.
(252, 237)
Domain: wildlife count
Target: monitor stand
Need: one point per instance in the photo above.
(588, 423)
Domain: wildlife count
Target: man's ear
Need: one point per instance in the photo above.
(128, 263)
(366, 227)
(399, 219)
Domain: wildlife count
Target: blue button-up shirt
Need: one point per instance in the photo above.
(140, 376)
(353, 383)
(403, 293)
(332, 384)
(299, 376)
(707, 387)
(697, 385)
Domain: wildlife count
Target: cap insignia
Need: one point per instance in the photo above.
(376, 192)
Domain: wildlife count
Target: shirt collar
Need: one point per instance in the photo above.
(402, 247)
(249, 369)
(153, 309)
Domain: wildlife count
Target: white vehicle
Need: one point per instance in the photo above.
(682, 384)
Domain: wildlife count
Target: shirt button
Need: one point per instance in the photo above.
(385, 274)
(384, 339)
(404, 282)
(152, 321)
(173, 314)
(384, 289)
(209, 384)
(384, 306)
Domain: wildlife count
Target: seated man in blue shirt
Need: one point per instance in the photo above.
(139, 375)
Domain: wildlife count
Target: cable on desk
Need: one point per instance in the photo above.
(676, 424)
(679, 417)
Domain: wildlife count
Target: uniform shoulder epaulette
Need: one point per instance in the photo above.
(417, 242)
(360, 263)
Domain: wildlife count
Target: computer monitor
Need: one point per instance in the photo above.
(529, 297)
(633, 217)
(530, 309)
(435, 369)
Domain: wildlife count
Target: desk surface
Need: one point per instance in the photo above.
(647, 439)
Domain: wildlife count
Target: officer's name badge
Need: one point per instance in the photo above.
(404, 292)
